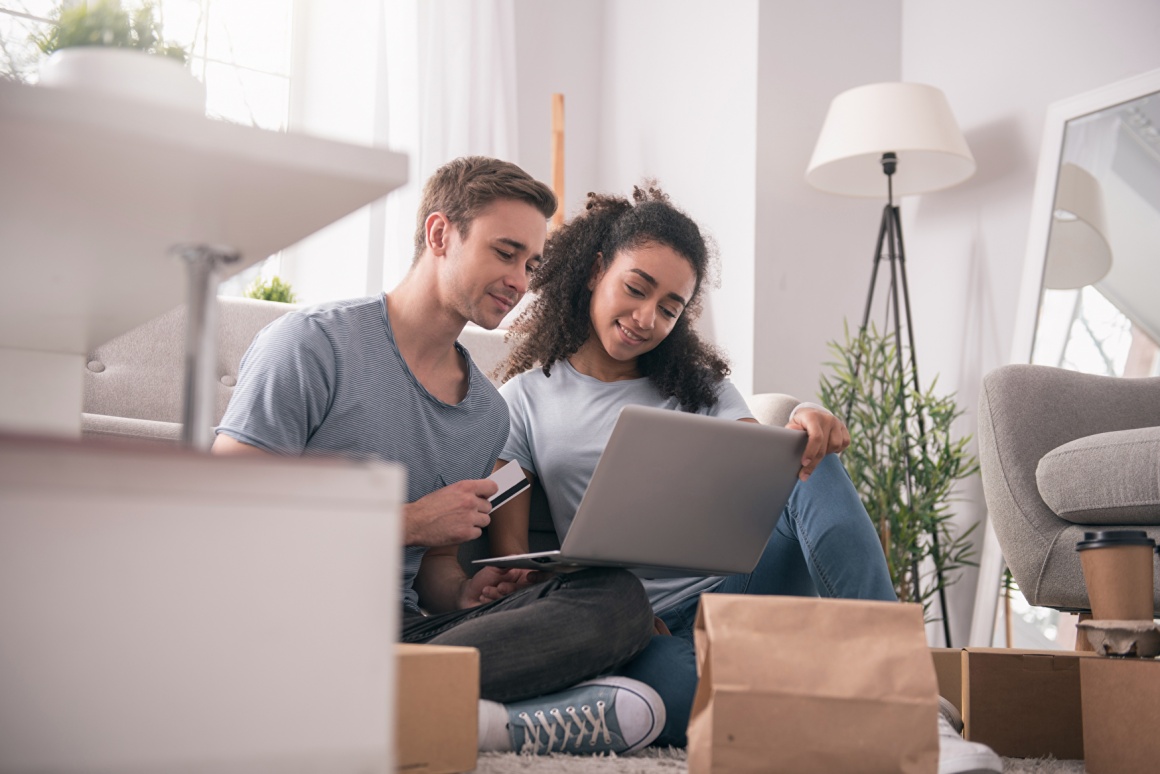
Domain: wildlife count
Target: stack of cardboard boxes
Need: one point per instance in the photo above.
(1022, 703)
(1065, 704)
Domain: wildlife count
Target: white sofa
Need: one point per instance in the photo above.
(133, 385)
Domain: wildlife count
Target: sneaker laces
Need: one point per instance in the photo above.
(576, 726)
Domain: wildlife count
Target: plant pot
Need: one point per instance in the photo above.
(124, 73)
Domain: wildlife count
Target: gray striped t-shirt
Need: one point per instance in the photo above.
(329, 380)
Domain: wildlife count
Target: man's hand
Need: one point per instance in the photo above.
(492, 583)
(449, 516)
(827, 435)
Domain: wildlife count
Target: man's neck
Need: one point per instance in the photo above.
(425, 331)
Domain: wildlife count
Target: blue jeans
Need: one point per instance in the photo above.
(824, 545)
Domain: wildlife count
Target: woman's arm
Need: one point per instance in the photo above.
(508, 531)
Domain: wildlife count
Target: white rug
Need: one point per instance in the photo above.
(670, 760)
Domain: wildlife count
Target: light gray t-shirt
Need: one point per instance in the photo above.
(561, 424)
(329, 380)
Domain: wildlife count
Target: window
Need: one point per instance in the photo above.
(241, 50)
(277, 65)
(19, 21)
(1083, 330)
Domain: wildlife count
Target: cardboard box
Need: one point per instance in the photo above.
(948, 668)
(1024, 703)
(1121, 702)
(436, 709)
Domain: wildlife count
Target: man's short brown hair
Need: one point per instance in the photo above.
(463, 188)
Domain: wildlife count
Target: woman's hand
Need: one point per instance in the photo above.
(827, 435)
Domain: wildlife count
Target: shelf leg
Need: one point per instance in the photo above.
(203, 274)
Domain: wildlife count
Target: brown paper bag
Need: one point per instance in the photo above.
(791, 684)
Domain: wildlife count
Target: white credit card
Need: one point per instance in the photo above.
(511, 481)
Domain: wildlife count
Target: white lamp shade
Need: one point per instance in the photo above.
(912, 120)
(1078, 252)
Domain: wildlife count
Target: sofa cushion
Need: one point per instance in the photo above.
(101, 426)
(1109, 478)
(139, 374)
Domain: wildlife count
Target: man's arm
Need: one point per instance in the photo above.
(227, 446)
(441, 582)
(443, 586)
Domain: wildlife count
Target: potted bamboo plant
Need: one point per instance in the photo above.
(104, 47)
(905, 462)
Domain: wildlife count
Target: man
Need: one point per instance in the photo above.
(384, 378)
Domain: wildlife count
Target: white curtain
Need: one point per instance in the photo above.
(434, 79)
(451, 91)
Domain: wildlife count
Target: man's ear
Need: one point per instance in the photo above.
(438, 229)
(597, 271)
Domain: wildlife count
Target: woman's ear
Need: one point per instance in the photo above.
(597, 271)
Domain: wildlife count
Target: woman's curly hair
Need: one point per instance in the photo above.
(557, 323)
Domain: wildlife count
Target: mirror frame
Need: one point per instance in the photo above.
(991, 562)
(1046, 180)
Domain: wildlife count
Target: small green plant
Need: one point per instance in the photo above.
(274, 290)
(106, 23)
(903, 460)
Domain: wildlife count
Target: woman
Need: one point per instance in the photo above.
(617, 295)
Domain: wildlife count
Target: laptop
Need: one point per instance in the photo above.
(677, 494)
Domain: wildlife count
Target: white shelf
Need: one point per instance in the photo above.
(94, 193)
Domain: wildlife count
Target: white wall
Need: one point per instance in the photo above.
(813, 250)
(560, 49)
(1000, 64)
(680, 105)
(334, 90)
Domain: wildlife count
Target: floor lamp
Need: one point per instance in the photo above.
(901, 137)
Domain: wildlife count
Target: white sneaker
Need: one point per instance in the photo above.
(608, 714)
(955, 754)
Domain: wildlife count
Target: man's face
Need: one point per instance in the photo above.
(487, 272)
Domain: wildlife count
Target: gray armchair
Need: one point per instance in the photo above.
(1063, 452)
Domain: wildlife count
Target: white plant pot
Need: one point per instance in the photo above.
(124, 73)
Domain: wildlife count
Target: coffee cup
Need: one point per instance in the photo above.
(1117, 568)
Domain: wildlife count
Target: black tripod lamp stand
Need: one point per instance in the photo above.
(906, 133)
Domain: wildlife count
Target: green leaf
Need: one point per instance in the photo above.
(274, 290)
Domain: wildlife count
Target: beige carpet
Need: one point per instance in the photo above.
(670, 760)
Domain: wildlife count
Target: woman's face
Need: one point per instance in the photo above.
(638, 299)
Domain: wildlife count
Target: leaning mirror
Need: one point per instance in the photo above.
(1092, 275)
(1091, 280)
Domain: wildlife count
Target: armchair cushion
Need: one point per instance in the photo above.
(1107, 478)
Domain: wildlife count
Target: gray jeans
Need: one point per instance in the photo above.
(549, 636)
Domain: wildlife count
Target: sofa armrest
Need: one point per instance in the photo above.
(772, 408)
